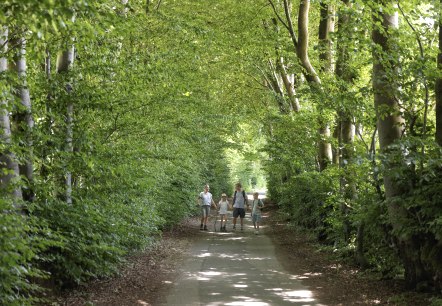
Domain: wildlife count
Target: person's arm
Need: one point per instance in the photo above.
(246, 203)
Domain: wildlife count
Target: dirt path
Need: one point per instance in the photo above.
(236, 268)
(189, 267)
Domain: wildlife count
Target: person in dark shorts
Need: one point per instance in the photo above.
(239, 205)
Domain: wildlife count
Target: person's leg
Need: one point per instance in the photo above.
(242, 215)
(258, 219)
(202, 217)
(235, 216)
(206, 217)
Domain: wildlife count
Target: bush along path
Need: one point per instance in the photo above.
(189, 267)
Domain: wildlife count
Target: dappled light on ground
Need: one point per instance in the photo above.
(238, 268)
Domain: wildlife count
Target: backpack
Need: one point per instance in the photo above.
(244, 195)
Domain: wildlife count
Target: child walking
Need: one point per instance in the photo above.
(223, 206)
(257, 205)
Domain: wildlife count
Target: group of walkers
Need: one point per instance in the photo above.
(240, 205)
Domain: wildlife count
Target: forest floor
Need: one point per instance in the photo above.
(148, 276)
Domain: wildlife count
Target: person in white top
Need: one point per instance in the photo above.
(223, 206)
(205, 201)
(257, 205)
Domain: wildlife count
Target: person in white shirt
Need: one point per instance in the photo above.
(257, 205)
(206, 200)
(223, 206)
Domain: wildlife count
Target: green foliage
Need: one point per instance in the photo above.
(306, 199)
(170, 99)
(92, 239)
(152, 124)
(20, 245)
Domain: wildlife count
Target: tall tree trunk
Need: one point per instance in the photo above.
(277, 87)
(23, 117)
(303, 43)
(64, 63)
(326, 26)
(287, 80)
(336, 150)
(390, 126)
(289, 84)
(438, 86)
(347, 131)
(9, 170)
(48, 121)
(325, 153)
(300, 44)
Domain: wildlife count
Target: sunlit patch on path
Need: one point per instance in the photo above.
(237, 268)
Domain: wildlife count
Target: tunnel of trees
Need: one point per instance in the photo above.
(115, 113)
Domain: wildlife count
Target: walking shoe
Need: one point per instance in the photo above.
(201, 227)
(205, 228)
(256, 232)
(224, 229)
(234, 227)
(242, 229)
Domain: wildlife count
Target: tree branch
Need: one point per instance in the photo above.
(290, 24)
(421, 50)
(277, 15)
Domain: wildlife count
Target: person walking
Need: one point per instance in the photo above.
(239, 205)
(206, 200)
(223, 206)
(257, 205)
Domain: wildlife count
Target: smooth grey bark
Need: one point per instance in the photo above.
(9, 170)
(64, 63)
(280, 73)
(325, 153)
(391, 126)
(289, 85)
(336, 150)
(23, 118)
(276, 85)
(303, 43)
(47, 125)
(388, 111)
(348, 187)
(300, 44)
(326, 26)
(438, 87)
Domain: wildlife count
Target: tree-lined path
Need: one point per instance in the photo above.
(236, 268)
(115, 113)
